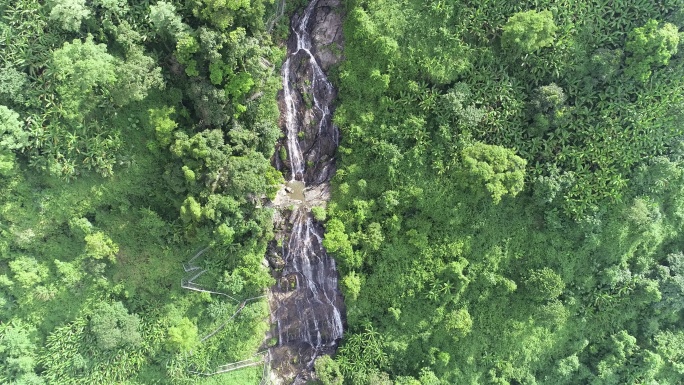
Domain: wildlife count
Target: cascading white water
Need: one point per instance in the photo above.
(308, 304)
(322, 95)
(316, 281)
(293, 149)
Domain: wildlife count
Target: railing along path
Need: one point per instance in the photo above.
(259, 358)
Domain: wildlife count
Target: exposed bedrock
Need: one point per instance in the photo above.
(307, 308)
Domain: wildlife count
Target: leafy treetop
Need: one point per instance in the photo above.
(526, 32)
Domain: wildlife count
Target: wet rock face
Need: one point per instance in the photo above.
(309, 96)
(306, 305)
(326, 34)
(307, 308)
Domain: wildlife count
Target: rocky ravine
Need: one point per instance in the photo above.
(307, 308)
(316, 136)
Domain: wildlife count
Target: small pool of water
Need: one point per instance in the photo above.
(297, 190)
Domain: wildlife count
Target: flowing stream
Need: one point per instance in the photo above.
(307, 306)
(320, 98)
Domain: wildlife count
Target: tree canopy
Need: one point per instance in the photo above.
(120, 158)
(526, 32)
(507, 207)
(517, 221)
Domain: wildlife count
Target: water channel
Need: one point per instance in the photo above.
(307, 306)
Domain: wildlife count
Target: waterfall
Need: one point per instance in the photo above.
(322, 96)
(317, 320)
(307, 307)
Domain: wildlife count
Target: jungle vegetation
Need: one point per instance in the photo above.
(134, 133)
(509, 203)
(508, 208)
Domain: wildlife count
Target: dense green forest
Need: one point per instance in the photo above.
(134, 133)
(508, 206)
(509, 203)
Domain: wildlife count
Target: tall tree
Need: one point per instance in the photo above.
(497, 168)
(85, 74)
(650, 46)
(113, 327)
(526, 32)
(69, 13)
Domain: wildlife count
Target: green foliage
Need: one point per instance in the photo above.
(165, 19)
(239, 85)
(135, 77)
(498, 169)
(12, 132)
(568, 283)
(69, 13)
(225, 234)
(548, 106)
(14, 137)
(93, 96)
(211, 159)
(671, 284)
(669, 347)
(527, 32)
(351, 285)
(221, 13)
(85, 73)
(191, 210)
(113, 327)
(650, 46)
(459, 323)
(186, 47)
(549, 98)
(577, 280)
(183, 336)
(116, 7)
(189, 175)
(544, 285)
(12, 85)
(216, 72)
(328, 371)
(337, 242)
(69, 273)
(18, 353)
(605, 64)
(318, 213)
(7, 163)
(163, 125)
(28, 272)
(80, 226)
(100, 246)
